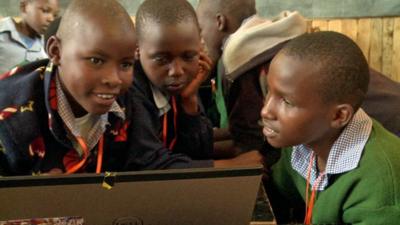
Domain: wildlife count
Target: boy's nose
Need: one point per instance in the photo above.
(175, 68)
(267, 112)
(50, 17)
(112, 78)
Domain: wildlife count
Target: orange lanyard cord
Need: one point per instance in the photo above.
(308, 178)
(85, 150)
(165, 126)
(310, 202)
(100, 155)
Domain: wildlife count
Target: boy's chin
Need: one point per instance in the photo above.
(100, 111)
(173, 91)
(277, 144)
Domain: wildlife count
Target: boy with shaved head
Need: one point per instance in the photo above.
(20, 40)
(337, 161)
(72, 113)
(169, 120)
(220, 18)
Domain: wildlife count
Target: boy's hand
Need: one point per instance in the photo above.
(189, 94)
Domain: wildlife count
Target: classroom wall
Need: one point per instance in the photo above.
(373, 24)
(309, 8)
(379, 38)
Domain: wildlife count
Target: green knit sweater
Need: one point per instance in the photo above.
(369, 194)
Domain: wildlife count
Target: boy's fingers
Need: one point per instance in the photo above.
(204, 67)
(205, 57)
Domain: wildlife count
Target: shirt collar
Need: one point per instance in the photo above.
(344, 155)
(161, 100)
(66, 114)
(8, 24)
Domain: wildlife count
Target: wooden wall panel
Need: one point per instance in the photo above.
(375, 52)
(320, 24)
(387, 46)
(378, 38)
(396, 50)
(363, 35)
(349, 28)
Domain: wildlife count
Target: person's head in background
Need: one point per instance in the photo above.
(95, 61)
(36, 16)
(316, 84)
(168, 43)
(220, 18)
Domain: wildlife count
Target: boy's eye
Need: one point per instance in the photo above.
(161, 59)
(287, 102)
(45, 10)
(127, 65)
(96, 61)
(190, 56)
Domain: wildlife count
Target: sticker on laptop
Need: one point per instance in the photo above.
(46, 221)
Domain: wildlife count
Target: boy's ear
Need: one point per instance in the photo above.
(221, 22)
(342, 115)
(22, 6)
(53, 48)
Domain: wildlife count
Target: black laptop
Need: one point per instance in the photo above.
(160, 197)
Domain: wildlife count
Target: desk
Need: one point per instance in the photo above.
(262, 214)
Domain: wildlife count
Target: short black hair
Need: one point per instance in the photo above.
(169, 12)
(81, 10)
(341, 68)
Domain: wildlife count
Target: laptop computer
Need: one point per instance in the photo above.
(160, 197)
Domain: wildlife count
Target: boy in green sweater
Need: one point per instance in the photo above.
(343, 165)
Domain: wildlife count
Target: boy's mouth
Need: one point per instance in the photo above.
(105, 99)
(175, 87)
(106, 96)
(269, 132)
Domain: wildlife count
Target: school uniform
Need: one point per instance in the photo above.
(188, 142)
(16, 48)
(361, 182)
(38, 134)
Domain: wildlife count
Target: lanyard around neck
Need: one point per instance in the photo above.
(310, 201)
(165, 126)
(85, 150)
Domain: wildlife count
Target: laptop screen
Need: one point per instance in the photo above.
(160, 197)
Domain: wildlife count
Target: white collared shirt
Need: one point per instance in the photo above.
(93, 125)
(344, 155)
(14, 50)
(161, 100)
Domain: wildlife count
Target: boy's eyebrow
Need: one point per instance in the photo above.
(100, 52)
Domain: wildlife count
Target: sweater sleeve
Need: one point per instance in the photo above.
(388, 215)
(195, 136)
(285, 199)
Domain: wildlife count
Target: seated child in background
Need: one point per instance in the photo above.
(21, 41)
(72, 114)
(168, 120)
(343, 165)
